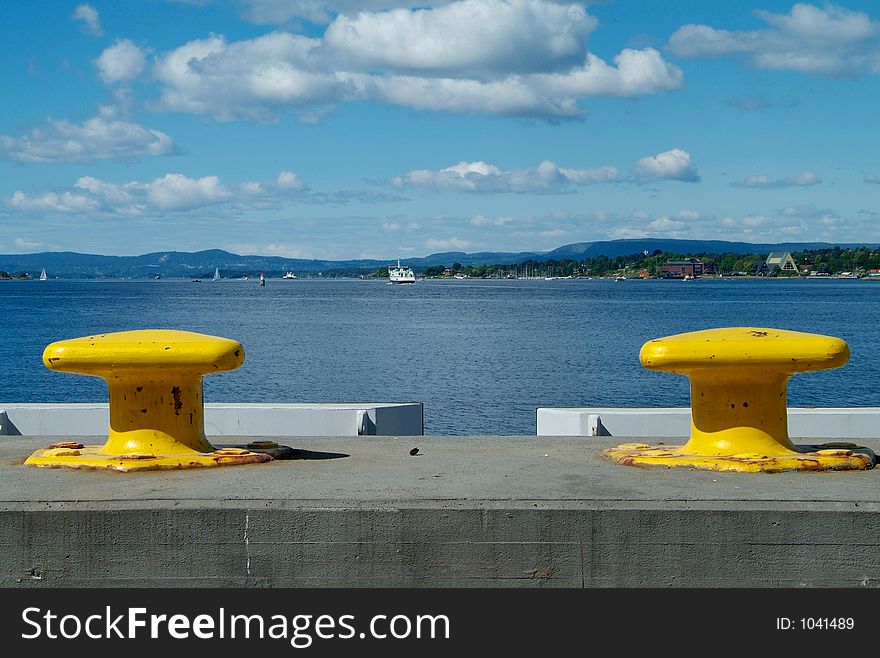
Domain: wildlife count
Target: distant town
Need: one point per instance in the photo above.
(834, 262)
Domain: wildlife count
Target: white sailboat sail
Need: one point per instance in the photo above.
(216, 274)
(43, 276)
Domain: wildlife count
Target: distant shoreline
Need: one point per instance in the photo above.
(255, 280)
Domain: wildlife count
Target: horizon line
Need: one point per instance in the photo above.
(437, 253)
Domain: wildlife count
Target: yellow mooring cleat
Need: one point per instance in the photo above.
(739, 415)
(156, 407)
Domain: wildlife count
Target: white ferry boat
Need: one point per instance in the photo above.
(289, 275)
(401, 274)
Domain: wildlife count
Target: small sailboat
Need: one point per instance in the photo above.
(262, 279)
(43, 276)
(216, 274)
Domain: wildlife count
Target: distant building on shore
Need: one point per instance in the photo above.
(780, 259)
(679, 269)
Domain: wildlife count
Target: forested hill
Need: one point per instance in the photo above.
(65, 264)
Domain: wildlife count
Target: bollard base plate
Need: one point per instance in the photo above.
(76, 455)
(826, 457)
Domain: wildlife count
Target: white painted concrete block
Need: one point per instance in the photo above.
(825, 423)
(228, 419)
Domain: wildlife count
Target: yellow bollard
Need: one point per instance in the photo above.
(739, 415)
(156, 409)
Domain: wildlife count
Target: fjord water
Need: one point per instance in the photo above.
(480, 354)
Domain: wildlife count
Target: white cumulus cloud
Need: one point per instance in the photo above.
(28, 245)
(452, 243)
(103, 137)
(287, 180)
(667, 225)
(482, 220)
(171, 193)
(176, 193)
(829, 40)
(804, 179)
(635, 72)
(90, 18)
(52, 202)
(669, 165)
(122, 62)
(502, 57)
(486, 178)
(483, 36)
(248, 79)
(547, 177)
(272, 249)
(268, 12)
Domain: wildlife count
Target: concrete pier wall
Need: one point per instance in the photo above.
(462, 512)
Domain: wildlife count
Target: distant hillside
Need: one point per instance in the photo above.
(66, 264)
(169, 264)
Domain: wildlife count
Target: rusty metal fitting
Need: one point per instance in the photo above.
(154, 379)
(739, 419)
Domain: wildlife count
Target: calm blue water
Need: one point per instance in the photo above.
(480, 355)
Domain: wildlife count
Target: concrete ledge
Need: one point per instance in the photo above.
(223, 419)
(675, 422)
(464, 512)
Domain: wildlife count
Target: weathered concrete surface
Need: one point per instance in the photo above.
(466, 511)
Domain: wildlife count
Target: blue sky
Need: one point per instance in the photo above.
(384, 129)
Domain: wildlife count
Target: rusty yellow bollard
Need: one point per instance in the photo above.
(739, 416)
(156, 409)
